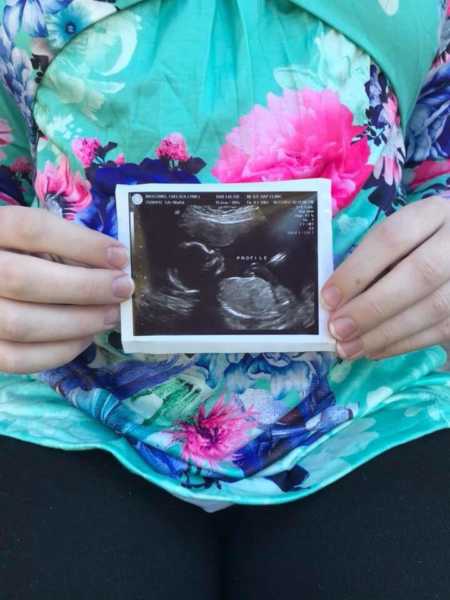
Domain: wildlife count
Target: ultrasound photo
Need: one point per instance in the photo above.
(224, 263)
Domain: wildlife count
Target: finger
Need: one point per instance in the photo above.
(438, 334)
(34, 230)
(414, 278)
(24, 322)
(32, 279)
(382, 247)
(425, 314)
(31, 358)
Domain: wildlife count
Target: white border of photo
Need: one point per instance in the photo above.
(193, 344)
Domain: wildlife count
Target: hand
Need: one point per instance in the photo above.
(392, 294)
(49, 312)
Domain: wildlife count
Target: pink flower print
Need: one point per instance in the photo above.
(85, 150)
(4, 197)
(427, 170)
(390, 164)
(62, 191)
(120, 159)
(5, 136)
(22, 165)
(390, 110)
(302, 134)
(173, 147)
(217, 435)
(389, 168)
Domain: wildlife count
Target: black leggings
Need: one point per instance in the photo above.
(78, 526)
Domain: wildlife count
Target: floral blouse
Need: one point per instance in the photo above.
(97, 93)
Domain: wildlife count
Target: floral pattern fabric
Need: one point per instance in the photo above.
(96, 94)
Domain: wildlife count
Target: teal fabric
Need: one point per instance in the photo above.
(254, 91)
(400, 35)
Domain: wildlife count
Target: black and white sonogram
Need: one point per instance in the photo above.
(224, 263)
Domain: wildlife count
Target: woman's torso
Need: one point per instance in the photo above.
(258, 91)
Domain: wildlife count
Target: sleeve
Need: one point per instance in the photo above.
(15, 157)
(427, 167)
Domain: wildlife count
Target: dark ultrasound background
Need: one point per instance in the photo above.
(244, 263)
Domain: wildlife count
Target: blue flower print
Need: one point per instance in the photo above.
(101, 213)
(16, 75)
(63, 25)
(428, 135)
(315, 416)
(286, 372)
(29, 15)
(124, 378)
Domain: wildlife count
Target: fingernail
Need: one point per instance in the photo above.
(112, 316)
(343, 328)
(123, 287)
(331, 297)
(351, 350)
(117, 256)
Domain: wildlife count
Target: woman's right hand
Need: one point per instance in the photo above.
(49, 311)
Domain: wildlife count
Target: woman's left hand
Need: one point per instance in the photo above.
(392, 294)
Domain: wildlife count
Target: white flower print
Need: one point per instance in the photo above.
(390, 7)
(432, 411)
(378, 396)
(335, 456)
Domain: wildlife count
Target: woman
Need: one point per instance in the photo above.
(98, 93)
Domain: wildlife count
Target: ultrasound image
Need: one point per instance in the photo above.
(214, 263)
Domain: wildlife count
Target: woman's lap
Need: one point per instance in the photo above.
(78, 525)
(381, 533)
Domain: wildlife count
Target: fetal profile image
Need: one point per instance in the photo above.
(224, 267)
